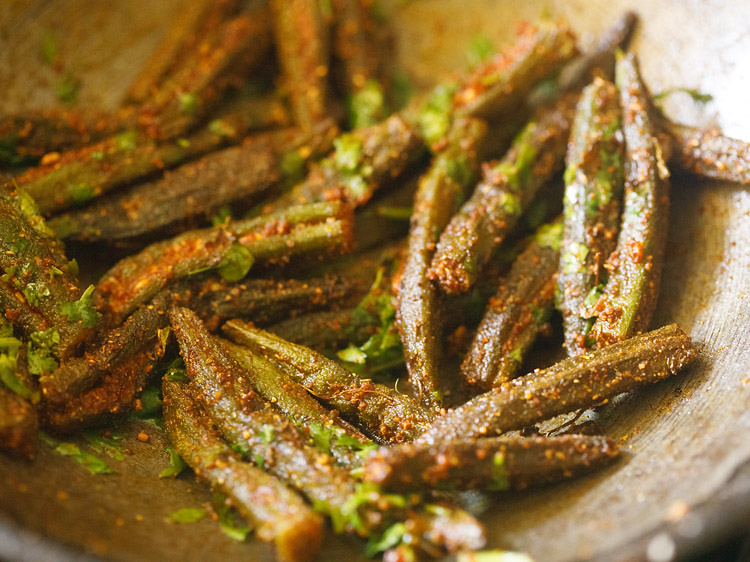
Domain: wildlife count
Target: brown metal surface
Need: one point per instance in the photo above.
(684, 480)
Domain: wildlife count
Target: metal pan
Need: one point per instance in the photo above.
(684, 480)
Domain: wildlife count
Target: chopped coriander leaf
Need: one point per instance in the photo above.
(222, 216)
(221, 128)
(82, 309)
(228, 520)
(391, 537)
(50, 48)
(499, 473)
(367, 106)
(176, 464)
(435, 118)
(176, 371)
(68, 88)
(150, 403)
(321, 436)
(127, 141)
(188, 103)
(352, 354)
(186, 515)
(480, 49)
(91, 463)
(236, 263)
(39, 361)
(107, 445)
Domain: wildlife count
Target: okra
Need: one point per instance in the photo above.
(193, 192)
(78, 176)
(107, 381)
(28, 137)
(506, 190)
(363, 162)
(593, 190)
(495, 463)
(576, 382)
(31, 270)
(237, 46)
(264, 301)
(322, 228)
(518, 312)
(380, 411)
(327, 330)
(628, 300)
(327, 430)
(193, 21)
(277, 513)
(709, 153)
(361, 49)
(503, 82)
(301, 36)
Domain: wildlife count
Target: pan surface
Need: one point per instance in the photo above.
(684, 480)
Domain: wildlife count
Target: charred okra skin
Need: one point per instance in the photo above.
(516, 314)
(494, 463)
(628, 300)
(507, 188)
(379, 410)
(440, 191)
(593, 189)
(576, 382)
(277, 513)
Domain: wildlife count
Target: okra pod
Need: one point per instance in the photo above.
(30, 268)
(19, 424)
(237, 46)
(139, 334)
(709, 153)
(361, 49)
(264, 301)
(232, 248)
(363, 162)
(628, 300)
(576, 382)
(193, 192)
(327, 430)
(301, 36)
(111, 376)
(600, 61)
(495, 463)
(516, 314)
(327, 330)
(277, 513)
(194, 20)
(78, 176)
(506, 190)
(440, 191)
(245, 420)
(593, 189)
(380, 411)
(28, 137)
(504, 82)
